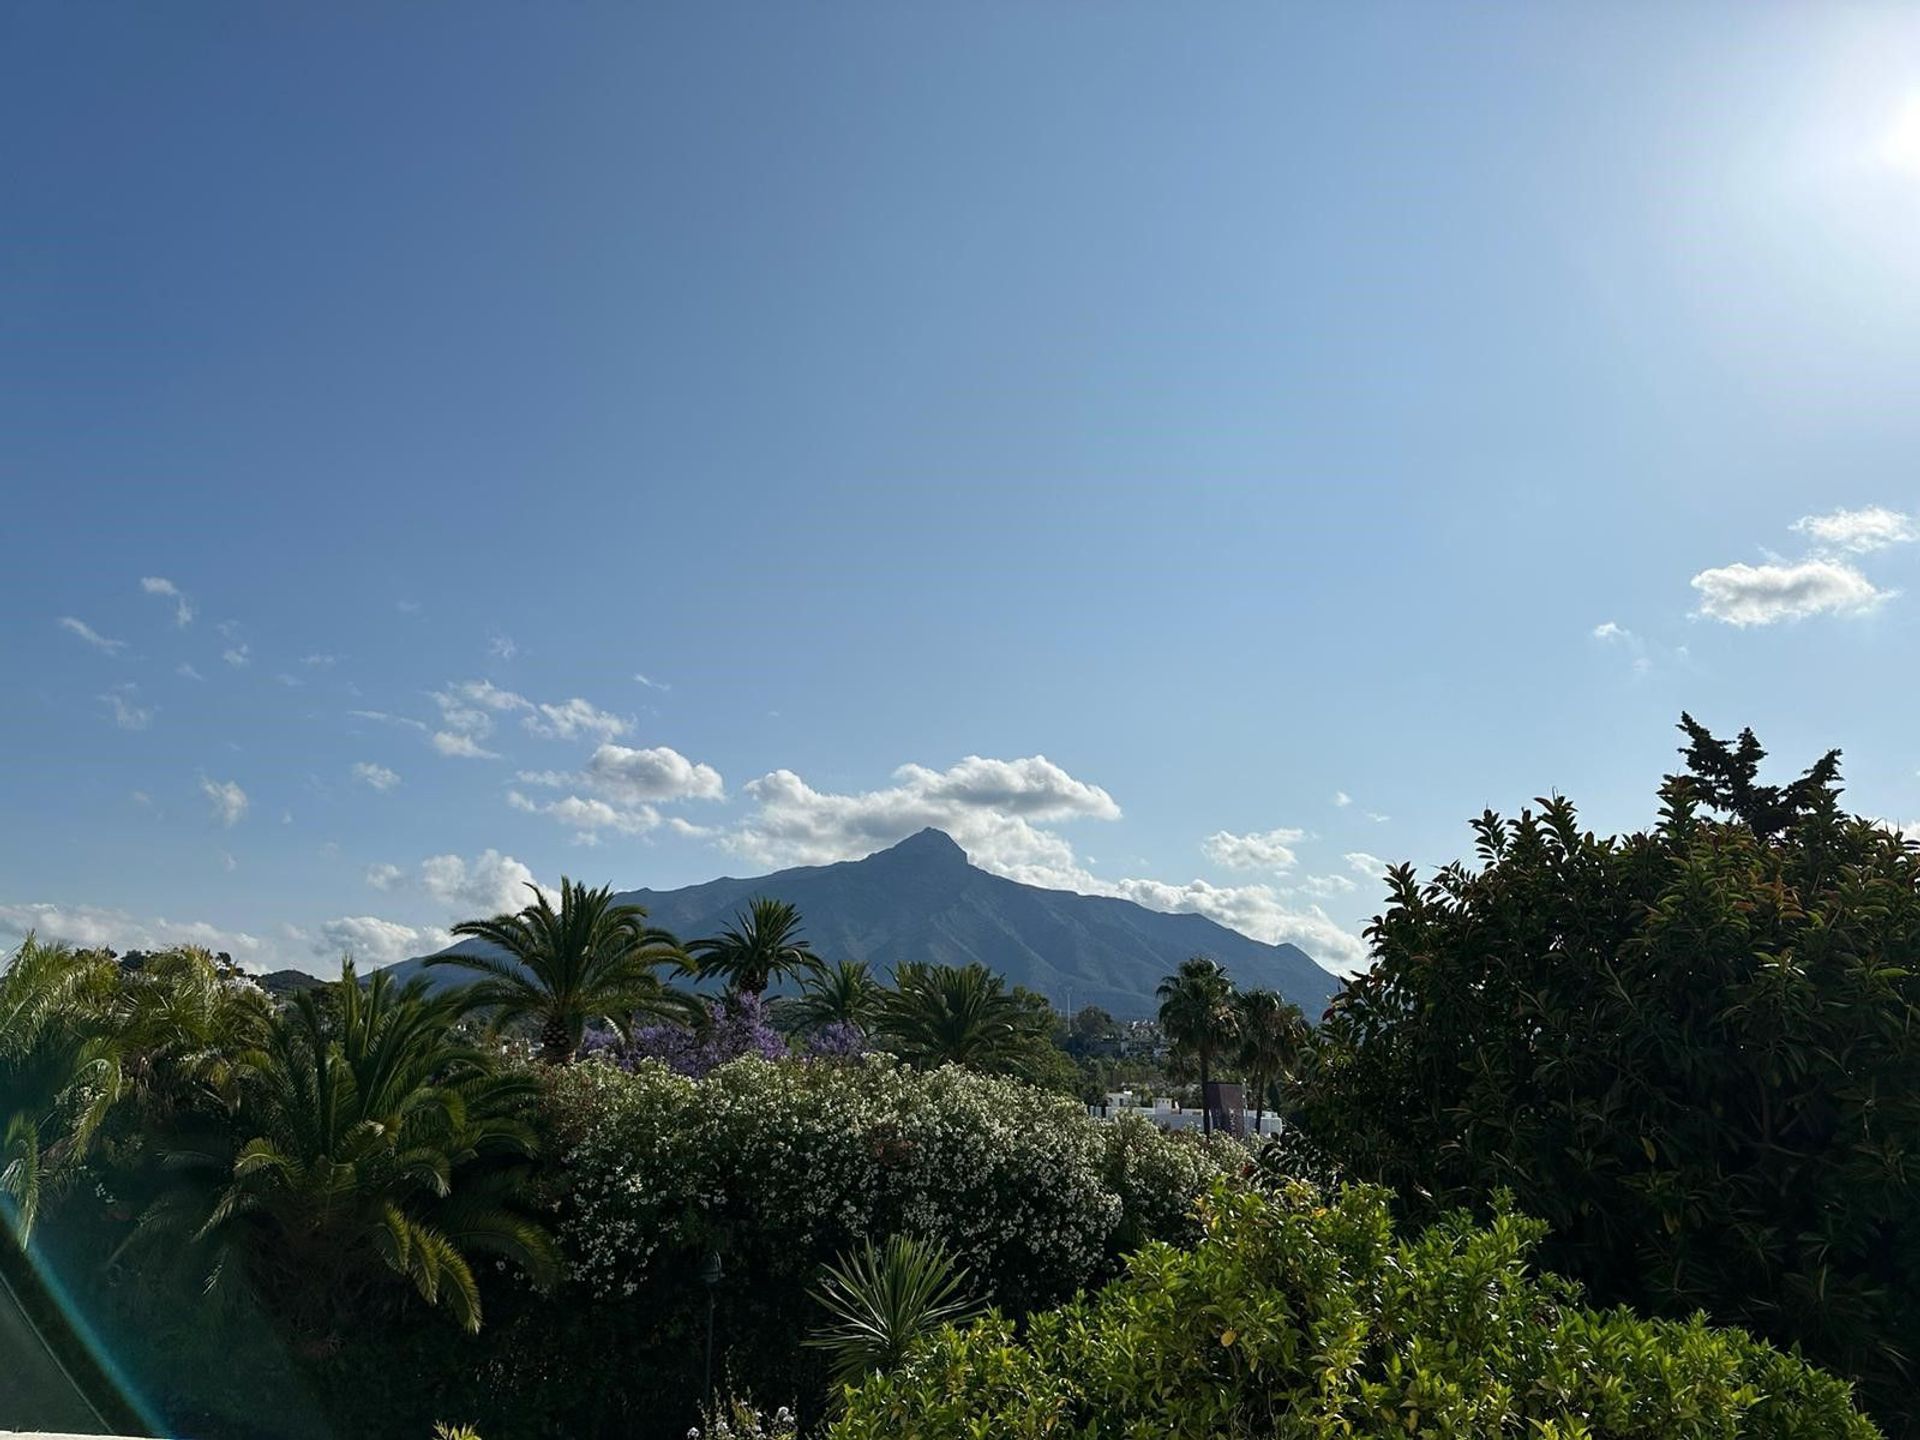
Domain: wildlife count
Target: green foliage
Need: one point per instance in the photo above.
(1199, 1015)
(1694, 1051)
(881, 1301)
(961, 1015)
(365, 1138)
(782, 1167)
(763, 944)
(1300, 1317)
(588, 960)
(843, 993)
(1272, 1035)
(60, 1067)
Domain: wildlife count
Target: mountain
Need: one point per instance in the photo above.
(923, 900)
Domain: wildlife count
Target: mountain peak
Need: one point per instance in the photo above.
(930, 846)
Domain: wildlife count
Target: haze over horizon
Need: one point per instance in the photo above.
(1198, 458)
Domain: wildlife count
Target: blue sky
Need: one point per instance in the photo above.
(1190, 453)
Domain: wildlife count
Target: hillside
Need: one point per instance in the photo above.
(922, 900)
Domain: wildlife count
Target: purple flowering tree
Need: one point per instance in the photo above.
(837, 1040)
(737, 1025)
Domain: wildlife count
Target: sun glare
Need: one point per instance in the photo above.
(1900, 149)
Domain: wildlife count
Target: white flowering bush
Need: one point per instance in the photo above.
(780, 1167)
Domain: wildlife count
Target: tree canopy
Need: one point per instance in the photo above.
(1693, 1050)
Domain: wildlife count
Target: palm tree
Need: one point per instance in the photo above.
(843, 993)
(1197, 1014)
(1273, 1031)
(762, 944)
(368, 1139)
(957, 1015)
(183, 1019)
(60, 1071)
(589, 959)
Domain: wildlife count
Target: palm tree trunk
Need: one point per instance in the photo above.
(1206, 1110)
(556, 1041)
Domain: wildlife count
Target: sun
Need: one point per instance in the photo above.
(1900, 147)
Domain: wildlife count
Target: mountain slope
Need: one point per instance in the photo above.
(923, 900)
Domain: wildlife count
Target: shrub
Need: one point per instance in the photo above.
(1692, 1051)
(778, 1168)
(1300, 1315)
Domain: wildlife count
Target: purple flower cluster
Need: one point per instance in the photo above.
(737, 1025)
(837, 1040)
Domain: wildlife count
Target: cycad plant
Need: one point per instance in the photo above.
(183, 1018)
(843, 993)
(368, 1138)
(879, 1302)
(589, 959)
(763, 944)
(60, 1071)
(957, 1015)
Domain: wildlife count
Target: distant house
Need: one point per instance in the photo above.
(1169, 1115)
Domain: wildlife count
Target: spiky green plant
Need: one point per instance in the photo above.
(843, 993)
(958, 1015)
(763, 944)
(60, 1071)
(368, 1138)
(879, 1302)
(589, 959)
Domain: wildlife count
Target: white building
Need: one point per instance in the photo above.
(1161, 1111)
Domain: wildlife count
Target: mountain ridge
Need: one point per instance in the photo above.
(923, 899)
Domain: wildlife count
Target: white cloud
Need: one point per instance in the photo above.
(587, 817)
(384, 877)
(374, 942)
(1322, 887)
(482, 693)
(92, 636)
(182, 607)
(385, 719)
(126, 714)
(1763, 594)
(995, 810)
(1254, 910)
(992, 808)
(228, 800)
(465, 715)
(1609, 630)
(1272, 850)
(93, 926)
(621, 773)
(574, 718)
(238, 656)
(377, 776)
(463, 747)
(1342, 799)
(319, 661)
(651, 684)
(1377, 818)
(501, 647)
(621, 787)
(186, 671)
(490, 884)
(1361, 863)
(1861, 531)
